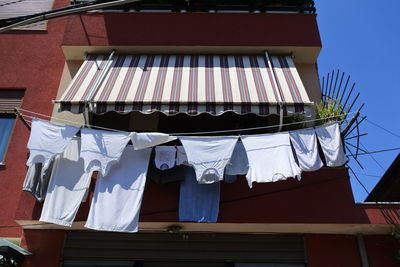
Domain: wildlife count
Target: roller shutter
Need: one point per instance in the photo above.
(84, 248)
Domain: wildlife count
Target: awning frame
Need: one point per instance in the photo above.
(89, 105)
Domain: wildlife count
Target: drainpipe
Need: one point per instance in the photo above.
(274, 81)
(363, 251)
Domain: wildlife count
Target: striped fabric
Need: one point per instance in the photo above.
(190, 84)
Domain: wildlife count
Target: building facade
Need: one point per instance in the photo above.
(312, 222)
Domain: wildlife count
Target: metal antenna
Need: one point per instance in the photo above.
(344, 90)
(335, 91)
(334, 87)
(340, 85)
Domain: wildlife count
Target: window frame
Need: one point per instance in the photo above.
(7, 111)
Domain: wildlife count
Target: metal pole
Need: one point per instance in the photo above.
(280, 102)
(19, 115)
(363, 251)
(101, 78)
(350, 123)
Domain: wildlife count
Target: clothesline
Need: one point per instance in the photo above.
(187, 133)
(67, 162)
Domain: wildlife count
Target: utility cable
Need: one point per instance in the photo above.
(377, 151)
(382, 128)
(366, 174)
(372, 157)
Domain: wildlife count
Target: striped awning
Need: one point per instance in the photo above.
(191, 84)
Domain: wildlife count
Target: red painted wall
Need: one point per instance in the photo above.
(314, 199)
(332, 251)
(45, 245)
(192, 29)
(381, 213)
(382, 250)
(32, 61)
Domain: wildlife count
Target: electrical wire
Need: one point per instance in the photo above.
(376, 151)
(382, 128)
(366, 174)
(372, 157)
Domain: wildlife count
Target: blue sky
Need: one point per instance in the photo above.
(362, 38)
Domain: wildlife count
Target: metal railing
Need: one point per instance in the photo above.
(248, 6)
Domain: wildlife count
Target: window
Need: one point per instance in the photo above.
(9, 99)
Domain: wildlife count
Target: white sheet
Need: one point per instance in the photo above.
(165, 157)
(118, 195)
(331, 143)
(67, 187)
(101, 149)
(48, 140)
(305, 145)
(270, 158)
(209, 155)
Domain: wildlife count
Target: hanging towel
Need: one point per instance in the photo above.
(118, 195)
(239, 163)
(67, 187)
(48, 140)
(181, 157)
(145, 140)
(165, 157)
(101, 149)
(270, 158)
(37, 180)
(331, 144)
(209, 156)
(305, 145)
(198, 202)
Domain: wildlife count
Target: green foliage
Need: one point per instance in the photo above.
(330, 110)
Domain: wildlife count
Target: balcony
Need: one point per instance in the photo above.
(241, 6)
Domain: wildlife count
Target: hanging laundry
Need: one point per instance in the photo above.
(144, 140)
(305, 145)
(230, 179)
(209, 156)
(37, 180)
(101, 149)
(239, 163)
(165, 157)
(48, 140)
(270, 158)
(118, 195)
(181, 157)
(158, 176)
(331, 144)
(67, 187)
(198, 202)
